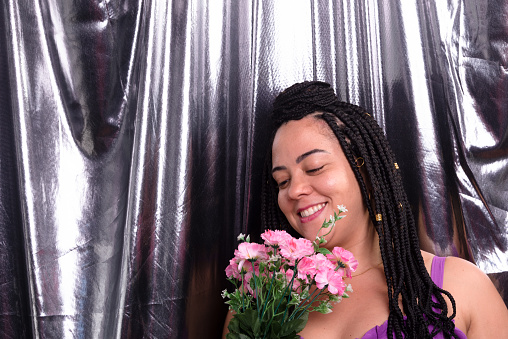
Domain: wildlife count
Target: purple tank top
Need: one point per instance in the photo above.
(436, 273)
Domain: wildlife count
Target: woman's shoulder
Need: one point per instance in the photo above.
(466, 279)
(480, 307)
(458, 271)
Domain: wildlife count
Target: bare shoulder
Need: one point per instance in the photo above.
(480, 308)
(458, 268)
(462, 276)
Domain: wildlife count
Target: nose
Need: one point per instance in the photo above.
(299, 186)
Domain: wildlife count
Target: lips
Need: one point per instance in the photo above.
(311, 210)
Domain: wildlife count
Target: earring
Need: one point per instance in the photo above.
(359, 162)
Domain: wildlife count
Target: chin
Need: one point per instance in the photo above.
(310, 235)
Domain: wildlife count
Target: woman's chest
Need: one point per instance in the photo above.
(351, 318)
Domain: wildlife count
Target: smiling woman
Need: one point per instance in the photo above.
(313, 176)
(326, 153)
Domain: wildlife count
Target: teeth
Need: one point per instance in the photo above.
(311, 210)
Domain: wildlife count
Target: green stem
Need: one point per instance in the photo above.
(276, 309)
(268, 295)
(255, 287)
(310, 303)
(290, 289)
(302, 304)
(277, 266)
(243, 295)
(331, 228)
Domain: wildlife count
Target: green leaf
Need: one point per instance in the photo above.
(247, 318)
(324, 307)
(303, 321)
(234, 326)
(275, 330)
(243, 323)
(291, 328)
(257, 329)
(236, 336)
(334, 298)
(324, 251)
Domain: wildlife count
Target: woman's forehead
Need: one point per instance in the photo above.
(297, 137)
(309, 129)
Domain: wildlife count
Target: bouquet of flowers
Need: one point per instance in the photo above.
(279, 282)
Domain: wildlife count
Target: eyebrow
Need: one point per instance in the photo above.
(300, 158)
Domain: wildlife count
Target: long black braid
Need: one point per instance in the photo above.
(360, 136)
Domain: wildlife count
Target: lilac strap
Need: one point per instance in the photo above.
(437, 270)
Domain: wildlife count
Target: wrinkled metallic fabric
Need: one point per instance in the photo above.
(133, 133)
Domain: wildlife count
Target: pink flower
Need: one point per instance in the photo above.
(331, 279)
(247, 281)
(248, 268)
(344, 257)
(250, 251)
(294, 249)
(306, 269)
(296, 282)
(275, 238)
(309, 266)
(321, 262)
(232, 269)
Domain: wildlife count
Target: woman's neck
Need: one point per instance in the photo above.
(366, 249)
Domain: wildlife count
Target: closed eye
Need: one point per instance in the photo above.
(282, 184)
(315, 170)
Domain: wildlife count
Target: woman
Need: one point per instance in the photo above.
(327, 153)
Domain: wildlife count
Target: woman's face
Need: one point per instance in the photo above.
(314, 177)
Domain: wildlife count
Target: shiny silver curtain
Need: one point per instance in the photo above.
(132, 137)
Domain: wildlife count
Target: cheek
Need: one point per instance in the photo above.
(285, 208)
(342, 186)
(333, 184)
(280, 202)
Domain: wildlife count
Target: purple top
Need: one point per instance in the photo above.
(436, 273)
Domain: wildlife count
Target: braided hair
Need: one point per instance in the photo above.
(359, 135)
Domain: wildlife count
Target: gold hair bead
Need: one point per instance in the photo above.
(379, 217)
(357, 160)
(396, 165)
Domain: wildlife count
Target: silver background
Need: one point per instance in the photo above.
(132, 137)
